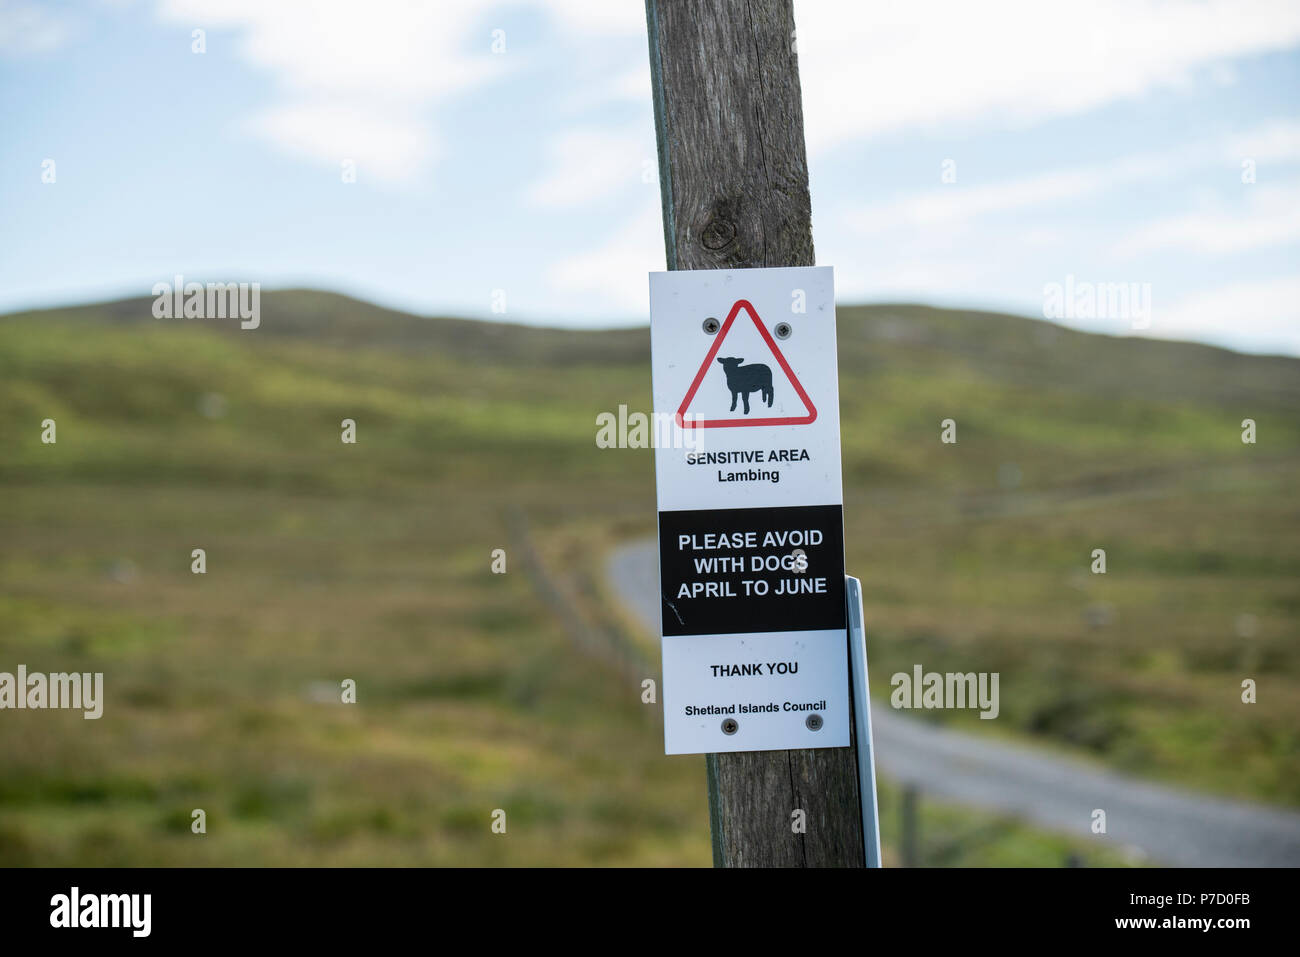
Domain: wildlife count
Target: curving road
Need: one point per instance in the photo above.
(1170, 826)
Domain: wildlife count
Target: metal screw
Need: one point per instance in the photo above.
(783, 330)
(711, 326)
(814, 722)
(797, 554)
(730, 726)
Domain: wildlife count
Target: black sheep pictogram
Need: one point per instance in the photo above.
(742, 380)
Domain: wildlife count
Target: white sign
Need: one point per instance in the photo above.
(751, 523)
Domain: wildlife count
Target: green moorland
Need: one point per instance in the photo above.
(475, 691)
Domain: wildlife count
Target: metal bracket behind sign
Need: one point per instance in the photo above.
(862, 721)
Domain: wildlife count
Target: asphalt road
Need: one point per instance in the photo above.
(1168, 825)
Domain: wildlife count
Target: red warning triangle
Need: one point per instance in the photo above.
(707, 364)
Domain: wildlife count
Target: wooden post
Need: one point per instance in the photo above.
(734, 181)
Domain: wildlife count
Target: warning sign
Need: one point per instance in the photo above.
(751, 527)
(743, 378)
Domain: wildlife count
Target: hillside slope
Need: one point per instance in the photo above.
(372, 561)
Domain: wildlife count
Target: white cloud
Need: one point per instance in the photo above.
(356, 80)
(879, 67)
(615, 271)
(907, 278)
(381, 145)
(618, 18)
(1259, 316)
(888, 65)
(388, 49)
(27, 28)
(633, 84)
(1267, 216)
(1278, 142)
(589, 164)
(958, 206)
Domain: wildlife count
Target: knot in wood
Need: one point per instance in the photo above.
(718, 234)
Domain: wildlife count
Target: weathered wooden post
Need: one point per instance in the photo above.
(734, 180)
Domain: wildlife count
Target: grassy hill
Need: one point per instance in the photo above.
(477, 691)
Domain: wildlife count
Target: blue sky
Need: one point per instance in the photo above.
(510, 147)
